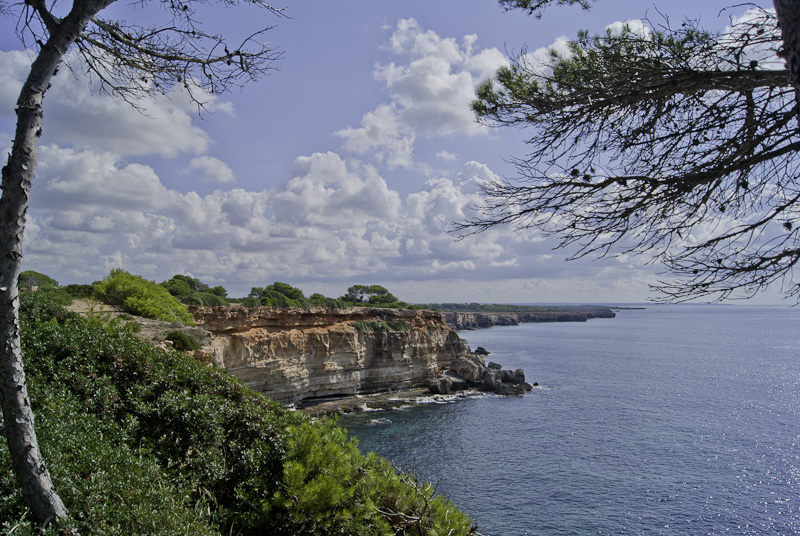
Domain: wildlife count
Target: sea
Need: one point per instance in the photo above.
(667, 420)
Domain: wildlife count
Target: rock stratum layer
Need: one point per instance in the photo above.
(296, 354)
(467, 321)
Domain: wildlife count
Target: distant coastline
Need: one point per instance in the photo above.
(471, 316)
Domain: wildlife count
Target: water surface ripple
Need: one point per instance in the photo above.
(670, 420)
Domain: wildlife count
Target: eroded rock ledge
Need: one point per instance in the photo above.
(296, 354)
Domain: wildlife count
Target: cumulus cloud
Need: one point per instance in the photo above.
(635, 27)
(210, 169)
(384, 136)
(325, 191)
(431, 86)
(81, 179)
(164, 127)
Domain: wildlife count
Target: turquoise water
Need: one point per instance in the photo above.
(670, 420)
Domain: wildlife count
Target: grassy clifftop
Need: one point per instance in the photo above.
(145, 442)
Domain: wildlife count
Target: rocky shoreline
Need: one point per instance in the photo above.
(468, 375)
(472, 372)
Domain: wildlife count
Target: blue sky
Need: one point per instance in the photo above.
(346, 165)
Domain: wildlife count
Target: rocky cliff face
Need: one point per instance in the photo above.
(464, 321)
(295, 354)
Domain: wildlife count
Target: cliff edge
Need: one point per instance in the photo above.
(292, 354)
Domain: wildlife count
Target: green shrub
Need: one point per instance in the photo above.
(79, 291)
(329, 487)
(250, 302)
(109, 487)
(279, 295)
(205, 299)
(138, 296)
(375, 325)
(318, 300)
(276, 299)
(39, 307)
(183, 286)
(399, 325)
(29, 278)
(367, 326)
(209, 433)
(57, 295)
(182, 341)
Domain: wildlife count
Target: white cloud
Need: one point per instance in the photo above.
(431, 86)
(383, 135)
(324, 191)
(108, 124)
(540, 61)
(761, 47)
(211, 170)
(635, 27)
(82, 178)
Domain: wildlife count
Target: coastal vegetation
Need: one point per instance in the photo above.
(168, 300)
(192, 291)
(284, 295)
(374, 325)
(138, 296)
(140, 441)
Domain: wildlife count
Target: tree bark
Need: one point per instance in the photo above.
(788, 12)
(17, 175)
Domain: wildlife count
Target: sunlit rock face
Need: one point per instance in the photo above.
(294, 354)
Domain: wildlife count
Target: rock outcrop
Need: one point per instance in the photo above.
(472, 372)
(296, 354)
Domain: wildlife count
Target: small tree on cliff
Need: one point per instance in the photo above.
(676, 142)
(372, 294)
(127, 60)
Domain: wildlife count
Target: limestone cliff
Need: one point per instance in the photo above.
(295, 354)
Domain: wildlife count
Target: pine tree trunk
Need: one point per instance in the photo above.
(29, 467)
(17, 174)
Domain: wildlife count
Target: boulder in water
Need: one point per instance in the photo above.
(441, 385)
(458, 382)
(468, 369)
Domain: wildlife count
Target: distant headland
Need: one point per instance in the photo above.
(468, 316)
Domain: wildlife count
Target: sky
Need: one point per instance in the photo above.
(348, 164)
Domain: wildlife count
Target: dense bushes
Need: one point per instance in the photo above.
(279, 295)
(109, 486)
(192, 291)
(29, 278)
(182, 341)
(144, 442)
(373, 296)
(138, 296)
